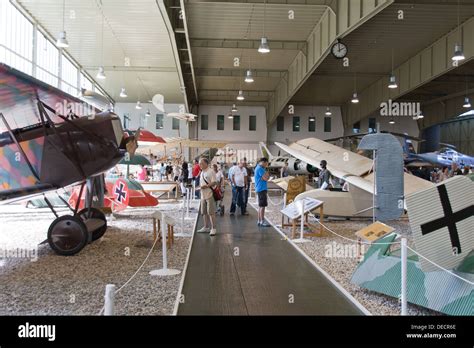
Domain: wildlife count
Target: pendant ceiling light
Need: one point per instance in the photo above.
(234, 108)
(392, 81)
(248, 76)
(467, 103)
(230, 116)
(355, 98)
(328, 111)
(240, 96)
(138, 106)
(123, 93)
(62, 41)
(458, 53)
(392, 121)
(148, 114)
(264, 48)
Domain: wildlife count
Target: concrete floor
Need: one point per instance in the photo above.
(247, 270)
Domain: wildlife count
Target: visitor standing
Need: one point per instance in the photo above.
(324, 176)
(261, 178)
(196, 175)
(207, 180)
(239, 182)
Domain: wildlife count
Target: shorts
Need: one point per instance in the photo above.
(262, 198)
(208, 206)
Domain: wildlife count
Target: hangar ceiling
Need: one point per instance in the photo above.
(214, 25)
(370, 49)
(133, 29)
(156, 34)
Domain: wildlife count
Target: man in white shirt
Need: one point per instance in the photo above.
(238, 179)
(207, 180)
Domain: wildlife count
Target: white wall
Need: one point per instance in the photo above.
(228, 134)
(304, 112)
(243, 142)
(150, 122)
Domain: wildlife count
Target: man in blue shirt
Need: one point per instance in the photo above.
(261, 178)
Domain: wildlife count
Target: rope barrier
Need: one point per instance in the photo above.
(280, 201)
(349, 239)
(444, 269)
(133, 276)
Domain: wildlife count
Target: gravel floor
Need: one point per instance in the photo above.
(75, 285)
(341, 268)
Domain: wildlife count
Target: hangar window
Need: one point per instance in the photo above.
(159, 121)
(280, 124)
(372, 125)
(236, 122)
(312, 124)
(204, 124)
(252, 123)
(296, 124)
(47, 57)
(16, 38)
(220, 122)
(68, 76)
(327, 124)
(175, 123)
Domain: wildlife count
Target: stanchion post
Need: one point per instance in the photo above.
(403, 296)
(302, 220)
(165, 271)
(109, 299)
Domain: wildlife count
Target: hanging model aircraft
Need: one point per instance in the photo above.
(446, 156)
(52, 148)
(351, 167)
(295, 166)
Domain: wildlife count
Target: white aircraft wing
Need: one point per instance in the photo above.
(334, 157)
(182, 116)
(203, 144)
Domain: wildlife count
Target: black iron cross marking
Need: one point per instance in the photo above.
(449, 219)
(121, 194)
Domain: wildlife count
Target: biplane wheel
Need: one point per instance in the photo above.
(94, 214)
(67, 235)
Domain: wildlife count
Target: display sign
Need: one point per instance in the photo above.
(293, 210)
(374, 231)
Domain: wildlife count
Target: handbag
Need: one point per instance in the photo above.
(216, 191)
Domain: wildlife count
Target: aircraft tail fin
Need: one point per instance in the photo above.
(265, 151)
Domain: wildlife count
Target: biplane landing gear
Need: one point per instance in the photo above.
(95, 221)
(67, 235)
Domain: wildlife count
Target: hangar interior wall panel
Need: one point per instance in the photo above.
(434, 61)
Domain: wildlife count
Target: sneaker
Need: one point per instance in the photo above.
(246, 213)
(203, 230)
(213, 232)
(265, 224)
(258, 223)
